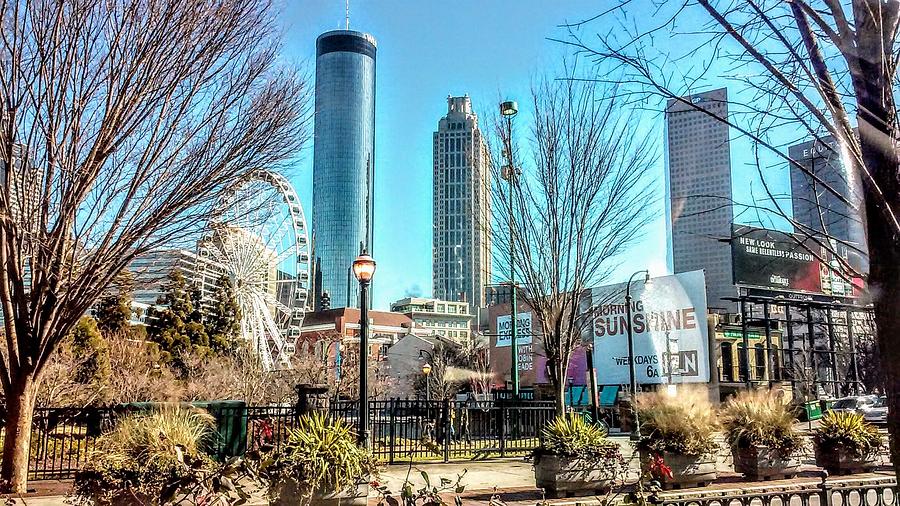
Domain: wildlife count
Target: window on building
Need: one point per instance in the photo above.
(776, 363)
(760, 359)
(742, 362)
(727, 362)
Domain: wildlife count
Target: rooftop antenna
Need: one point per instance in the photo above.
(347, 13)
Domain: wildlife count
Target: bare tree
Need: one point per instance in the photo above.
(241, 375)
(121, 123)
(140, 375)
(818, 66)
(580, 198)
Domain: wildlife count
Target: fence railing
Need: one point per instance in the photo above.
(878, 491)
(402, 430)
(443, 430)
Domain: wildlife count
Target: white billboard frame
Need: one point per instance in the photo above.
(674, 303)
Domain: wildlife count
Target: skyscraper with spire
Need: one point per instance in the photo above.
(343, 160)
(462, 206)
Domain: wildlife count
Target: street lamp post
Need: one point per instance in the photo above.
(636, 430)
(508, 110)
(363, 269)
(426, 370)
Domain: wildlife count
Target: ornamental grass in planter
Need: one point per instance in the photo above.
(678, 435)
(759, 427)
(321, 464)
(576, 457)
(844, 442)
(151, 459)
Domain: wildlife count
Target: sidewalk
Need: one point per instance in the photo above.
(510, 481)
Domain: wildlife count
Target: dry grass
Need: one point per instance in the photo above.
(146, 454)
(684, 424)
(760, 418)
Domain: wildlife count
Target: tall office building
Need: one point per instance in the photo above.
(343, 159)
(818, 210)
(462, 206)
(699, 205)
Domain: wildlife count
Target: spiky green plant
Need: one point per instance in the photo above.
(760, 418)
(148, 455)
(848, 431)
(684, 424)
(321, 456)
(571, 436)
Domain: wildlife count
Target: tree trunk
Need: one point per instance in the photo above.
(560, 405)
(17, 435)
(884, 284)
(558, 369)
(880, 156)
(887, 320)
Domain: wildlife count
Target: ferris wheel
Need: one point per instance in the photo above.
(259, 239)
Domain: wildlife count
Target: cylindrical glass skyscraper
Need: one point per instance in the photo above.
(343, 160)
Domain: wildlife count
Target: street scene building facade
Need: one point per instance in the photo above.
(817, 210)
(343, 159)
(444, 318)
(699, 205)
(462, 245)
(152, 269)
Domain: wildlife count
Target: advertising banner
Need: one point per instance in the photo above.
(531, 361)
(786, 262)
(668, 319)
(523, 330)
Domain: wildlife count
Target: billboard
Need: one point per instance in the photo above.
(668, 319)
(780, 261)
(523, 330)
(524, 346)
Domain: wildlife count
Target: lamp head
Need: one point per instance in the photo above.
(426, 369)
(364, 268)
(509, 108)
(647, 277)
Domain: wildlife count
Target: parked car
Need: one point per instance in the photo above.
(876, 413)
(854, 404)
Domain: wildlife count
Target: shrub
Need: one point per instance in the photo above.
(321, 456)
(760, 418)
(683, 425)
(847, 431)
(570, 436)
(154, 456)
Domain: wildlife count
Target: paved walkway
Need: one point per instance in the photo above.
(493, 482)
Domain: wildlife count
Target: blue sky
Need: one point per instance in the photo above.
(426, 50)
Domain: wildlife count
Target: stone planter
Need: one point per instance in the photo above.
(126, 498)
(841, 461)
(687, 470)
(562, 476)
(288, 494)
(763, 463)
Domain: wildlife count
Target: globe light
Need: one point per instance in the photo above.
(364, 268)
(426, 369)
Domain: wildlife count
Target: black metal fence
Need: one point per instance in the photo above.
(402, 431)
(443, 430)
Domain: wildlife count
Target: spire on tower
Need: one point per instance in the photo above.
(347, 13)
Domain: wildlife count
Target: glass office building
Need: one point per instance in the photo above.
(343, 160)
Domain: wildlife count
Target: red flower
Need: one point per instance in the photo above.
(659, 469)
